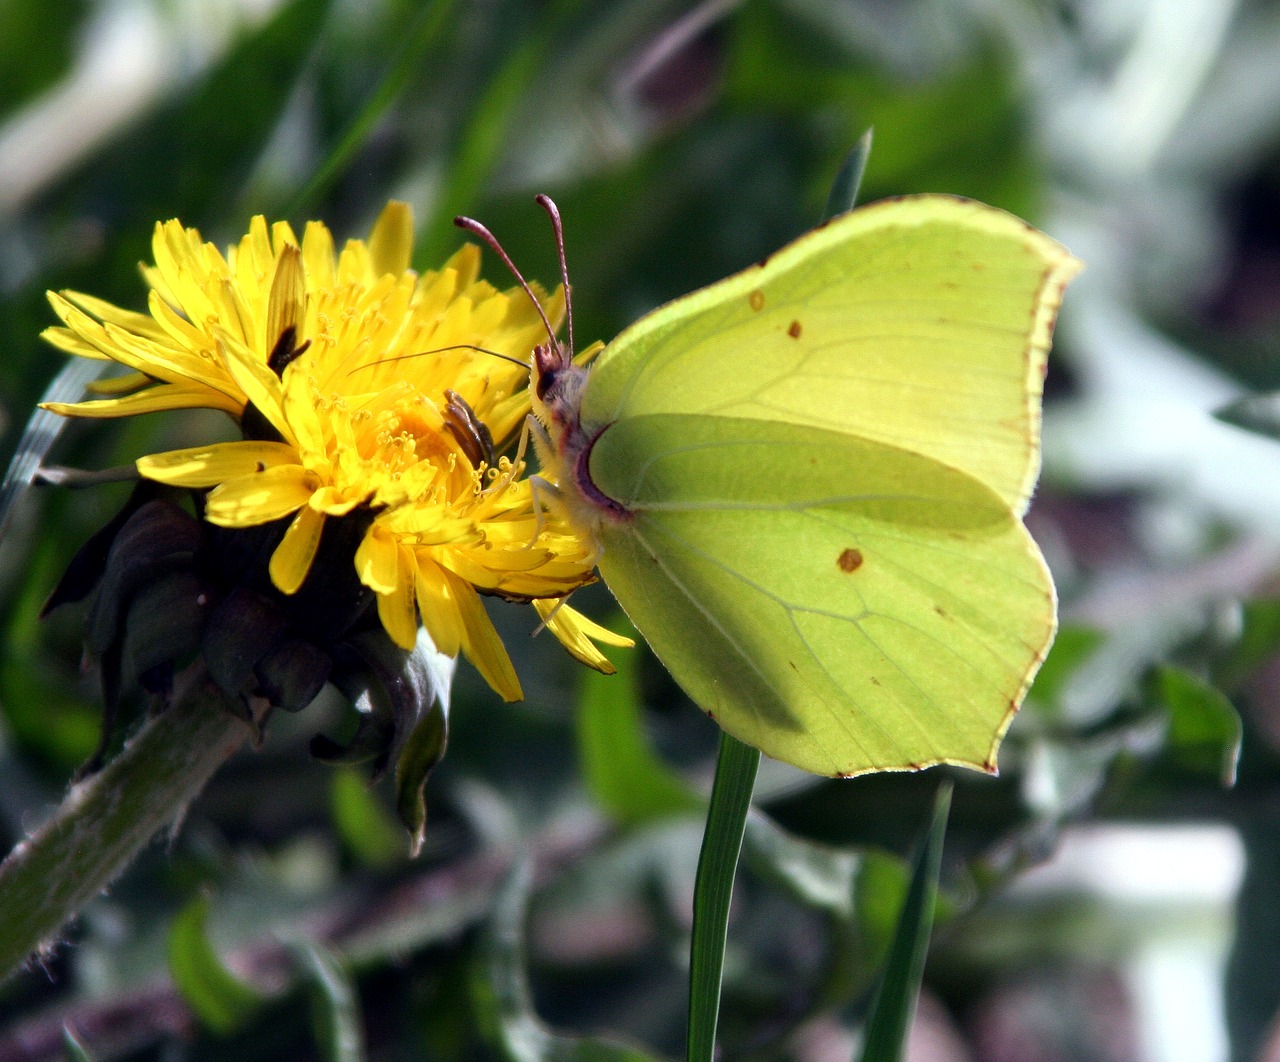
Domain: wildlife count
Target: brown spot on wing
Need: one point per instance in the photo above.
(850, 560)
(756, 298)
(794, 329)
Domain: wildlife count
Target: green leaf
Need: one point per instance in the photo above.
(363, 824)
(1257, 644)
(422, 749)
(484, 138)
(894, 1007)
(220, 999)
(820, 877)
(1204, 727)
(958, 128)
(1250, 982)
(621, 770)
(335, 1007)
(74, 1050)
(404, 700)
(880, 892)
(736, 768)
(1071, 648)
(844, 190)
(501, 1000)
(1256, 413)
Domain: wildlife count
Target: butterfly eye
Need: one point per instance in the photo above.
(546, 380)
(548, 359)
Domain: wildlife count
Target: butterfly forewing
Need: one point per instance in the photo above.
(921, 322)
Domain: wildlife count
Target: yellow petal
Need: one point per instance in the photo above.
(331, 502)
(397, 607)
(70, 342)
(125, 384)
(482, 645)
(131, 320)
(206, 466)
(396, 611)
(260, 385)
(391, 242)
(377, 561)
(286, 306)
(317, 256)
(260, 497)
(148, 400)
(574, 631)
(299, 405)
(437, 607)
(292, 558)
(593, 630)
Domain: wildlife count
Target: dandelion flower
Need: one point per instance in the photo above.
(364, 392)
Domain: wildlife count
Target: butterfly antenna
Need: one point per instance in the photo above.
(440, 350)
(553, 212)
(477, 229)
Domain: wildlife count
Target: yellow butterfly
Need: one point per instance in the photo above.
(808, 482)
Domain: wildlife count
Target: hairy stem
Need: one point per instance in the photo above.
(106, 820)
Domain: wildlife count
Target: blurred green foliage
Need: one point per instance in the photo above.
(548, 914)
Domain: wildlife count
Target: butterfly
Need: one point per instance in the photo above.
(807, 482)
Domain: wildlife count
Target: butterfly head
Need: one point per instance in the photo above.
(556, 382)
(556, 387)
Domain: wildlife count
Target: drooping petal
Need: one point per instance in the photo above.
(483, 647)
(398, 616)
(377, 561)
(397, 608)
(438, 607)
(576, 633)
(292, 559)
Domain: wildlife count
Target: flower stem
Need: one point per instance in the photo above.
(106, 820)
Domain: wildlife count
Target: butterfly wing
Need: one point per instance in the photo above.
(921, 322)
(842, 605)
(826, 458)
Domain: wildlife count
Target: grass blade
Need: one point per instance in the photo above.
(844, 189)
(713, 889)
(895, 1002)
(423, 35)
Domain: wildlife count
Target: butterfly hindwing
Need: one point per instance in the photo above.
(839, 603)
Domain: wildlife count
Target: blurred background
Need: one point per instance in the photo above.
(1110, 896)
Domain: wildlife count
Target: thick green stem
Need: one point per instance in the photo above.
(108, 818)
